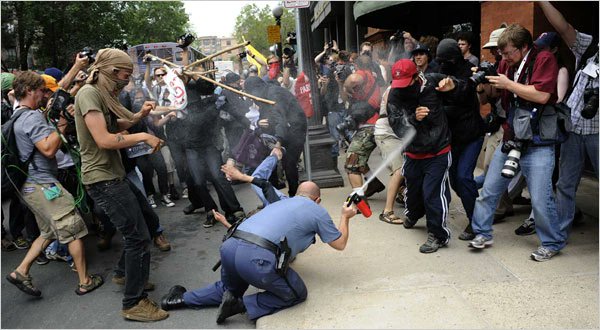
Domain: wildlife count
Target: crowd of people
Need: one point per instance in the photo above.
(420, 97)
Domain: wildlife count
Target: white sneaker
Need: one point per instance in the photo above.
(184, 193)
(481, 242)
(166, 201)
(151, 201)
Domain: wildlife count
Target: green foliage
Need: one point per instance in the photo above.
(58, 30)
(252, 22)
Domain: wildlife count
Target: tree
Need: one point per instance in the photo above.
(58, 30)
(252, 22)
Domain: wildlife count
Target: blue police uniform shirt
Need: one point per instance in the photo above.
(297, 218)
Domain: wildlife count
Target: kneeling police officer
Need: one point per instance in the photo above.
(257, 252)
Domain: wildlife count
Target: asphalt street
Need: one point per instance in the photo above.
(194, 252)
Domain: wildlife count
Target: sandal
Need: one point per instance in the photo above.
(390, 218)
(96, 282)
(24, 284)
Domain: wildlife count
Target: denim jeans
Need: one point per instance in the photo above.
(464, 160)
(264, 171)
(537, 164)
(123, 205)
(205, 164)
(572, 160)
(333, 119)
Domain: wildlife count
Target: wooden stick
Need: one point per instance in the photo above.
(209, 57)
(238, 92)
(156, 58)
(191, 73)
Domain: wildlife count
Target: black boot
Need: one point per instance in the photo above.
(173, 299)
(374, 187)
(230, 305)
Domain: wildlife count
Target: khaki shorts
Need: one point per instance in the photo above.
(361, 147)
(387, 145)
(58, 218)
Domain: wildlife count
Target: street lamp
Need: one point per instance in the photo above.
(277, 13)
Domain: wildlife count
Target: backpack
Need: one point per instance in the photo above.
(14, 171)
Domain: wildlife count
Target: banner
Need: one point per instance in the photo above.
(257, 54)
(176, 87)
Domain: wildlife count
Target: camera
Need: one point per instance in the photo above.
(342, 71)
(396, 36)
(61, 99)
(330, 45)
(347, 124)
(242, 55)
(590, 103)
(291, 38)
(485, 68)
(511, 165)
(89, 53)
(185, 40)
(289, 51)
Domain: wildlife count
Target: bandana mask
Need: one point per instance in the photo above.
(273, 70)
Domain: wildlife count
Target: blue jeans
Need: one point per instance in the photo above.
(464, 160)
(333, 119)
(264, 171)
(537, 164)
(572, 160)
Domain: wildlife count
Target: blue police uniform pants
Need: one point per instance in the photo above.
(244, 264)
(427, 192)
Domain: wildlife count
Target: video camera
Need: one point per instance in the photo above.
(291, 38)
(485, 68)
(185, 40)
(89, 53)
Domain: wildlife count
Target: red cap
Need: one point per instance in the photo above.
(403, 72)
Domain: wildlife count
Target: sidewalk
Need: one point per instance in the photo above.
(382, 281)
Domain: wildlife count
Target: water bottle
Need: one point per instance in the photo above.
(139, 149)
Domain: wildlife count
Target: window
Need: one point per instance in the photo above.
(228, 43)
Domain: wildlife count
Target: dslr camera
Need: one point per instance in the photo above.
(89, 53)
(485, 68)
(342, 71)
(61, 99)
(347, 124)
(590, 103)
(511, 165)
(185, 40)
(242, 55)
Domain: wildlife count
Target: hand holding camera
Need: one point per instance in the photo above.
(484, 70)
(85, 57)
(185, 40)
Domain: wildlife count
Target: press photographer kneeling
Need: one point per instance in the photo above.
(527, 87)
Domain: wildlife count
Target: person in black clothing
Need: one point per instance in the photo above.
(233, 110)
(285, 121)
(415, 99)
(467, 128)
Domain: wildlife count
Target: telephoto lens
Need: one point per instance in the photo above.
(511, 165)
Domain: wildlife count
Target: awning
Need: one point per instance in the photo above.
(423, 16)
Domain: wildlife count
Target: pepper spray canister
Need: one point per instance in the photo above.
(357, 197)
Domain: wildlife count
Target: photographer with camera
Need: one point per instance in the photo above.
(364, 97)
(583, 101)
(527, 82)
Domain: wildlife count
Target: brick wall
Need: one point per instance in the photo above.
(495, 13)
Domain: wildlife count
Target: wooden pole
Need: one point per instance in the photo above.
(202, 60)
(238, 92)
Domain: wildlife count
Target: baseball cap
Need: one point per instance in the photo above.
(494, 36)
(50, 82)
(421, 48)
(403, 72)
(55, 73)
(547, 39)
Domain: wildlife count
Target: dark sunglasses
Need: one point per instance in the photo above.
(161, 74)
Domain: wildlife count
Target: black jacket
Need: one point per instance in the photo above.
(464, 119)
(433, 133)
(236, 107)
(202, 123)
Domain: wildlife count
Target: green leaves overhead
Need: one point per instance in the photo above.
(57, 30)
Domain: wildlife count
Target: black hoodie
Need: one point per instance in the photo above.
(464, 119)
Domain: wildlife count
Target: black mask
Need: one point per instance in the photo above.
(447, 67)
(409, 96)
